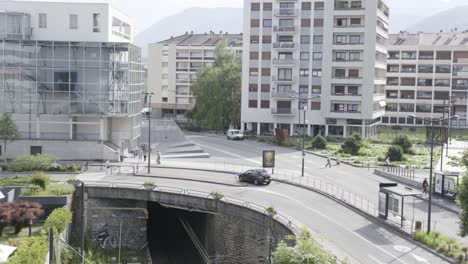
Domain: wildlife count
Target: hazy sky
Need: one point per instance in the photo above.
(147, 12)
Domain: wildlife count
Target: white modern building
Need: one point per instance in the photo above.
(427, 76)
(173, 65)
(304, 49)
(71, 79)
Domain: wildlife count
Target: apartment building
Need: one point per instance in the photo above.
(427, 76)
(71, 79)
(297, 50)
(173, 65)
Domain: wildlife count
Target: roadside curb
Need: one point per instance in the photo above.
(373, 219)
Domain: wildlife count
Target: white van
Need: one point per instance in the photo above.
(234, 134)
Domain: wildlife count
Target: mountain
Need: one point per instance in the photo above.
(401, 22)
(445, 20)
(196, 19)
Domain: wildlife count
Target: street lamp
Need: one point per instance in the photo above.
(148, 96)
(432, 121)
(302, 100)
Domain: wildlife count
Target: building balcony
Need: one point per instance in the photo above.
(282, 95)
(284, 80)
(284, 62)
(284, 29)
(286, 12)
(283, 111)
(284, 45)
(345, 5)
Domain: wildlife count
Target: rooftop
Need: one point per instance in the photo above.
(429, 39)
(206, 39)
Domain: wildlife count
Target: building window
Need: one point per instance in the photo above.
(304, 73)
(318, 22)
(267, 6)
(253, 55)
(317, 72)
(266, 55)
(164, 76)
(354, 56)
(73, 21)
(306, 6)
(317, 56)
(265, 88)
(266, 39)
(42, 20)
(267, 22)
(305, 39)
(355, 39)
(318, 39)
(305, 56)
(253, 103)
(266, 71)
(353, 73)
(96, 22)
(355, 21)
(36, 150)
(253, 88)
(254, 39)
(265, 104)
(254, 23)
(253, 72)
(255, 7)
(305, 22)
(285, 74)
(165, 64)
(319, 5)
(315, 106)
(340, 73)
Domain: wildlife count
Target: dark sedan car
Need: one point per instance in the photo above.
(255, 176)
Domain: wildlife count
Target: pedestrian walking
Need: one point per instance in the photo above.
(107, 167)
(140, 155)
(328, 163)
(158, 157)
(338, 161)
(144, 157)
(387, 162)
(425, 185)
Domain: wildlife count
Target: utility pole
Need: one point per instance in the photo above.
(430, 180)
(148, 96)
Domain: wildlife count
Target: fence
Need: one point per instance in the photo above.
(402, 172)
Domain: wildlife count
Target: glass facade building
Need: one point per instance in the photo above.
(70, 78)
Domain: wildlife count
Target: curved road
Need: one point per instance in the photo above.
(341, 230)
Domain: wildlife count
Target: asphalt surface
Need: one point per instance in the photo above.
(340, 229)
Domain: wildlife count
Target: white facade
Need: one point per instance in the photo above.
(427, 76)
(305, 49)
(60, 21)
(173, 65)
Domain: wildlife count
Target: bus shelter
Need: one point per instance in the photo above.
(446, 183)
(392, 201)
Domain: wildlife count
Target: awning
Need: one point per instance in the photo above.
(5, 252)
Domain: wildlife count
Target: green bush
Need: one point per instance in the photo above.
(32, 250)
(319, 142)
(395, 153)
(32, 163)
(353, 144)
(404, 142)
(58, 220)
(40, 179)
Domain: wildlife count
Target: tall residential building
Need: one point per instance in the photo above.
(71, 79)
(427, 75)
(303, 49)
(173, 65)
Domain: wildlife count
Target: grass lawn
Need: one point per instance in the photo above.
(16, 181)
(9, 237)
(53, 189)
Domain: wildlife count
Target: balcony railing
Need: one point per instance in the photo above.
(284, 28)
(290, 62)
(283, 111)
(284, 45)
(286, 12)
(284, 80)
(281, 95)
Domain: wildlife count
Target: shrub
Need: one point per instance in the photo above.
(217, 195)
(32, 250)
(353, 144)
(58, 220)
(319, 142)
(40, 179)
(150, 183)
(395, 153)
(271, 210)
(32, 163)
(404, 142)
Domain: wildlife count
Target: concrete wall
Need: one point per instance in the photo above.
(64, 150)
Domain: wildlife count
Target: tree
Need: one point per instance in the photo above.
(217, 90)
(395, 153)
(353, 144)
(404, 142)
(23, 214)
(8, 133)
(462, 197)
(305, 251)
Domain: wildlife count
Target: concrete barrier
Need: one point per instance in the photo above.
(406, 181)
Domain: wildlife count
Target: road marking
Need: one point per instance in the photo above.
(230, 153)
(376, 260)
(338, 224)
(402, 249)
(420, 259)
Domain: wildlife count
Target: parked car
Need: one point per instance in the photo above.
(256, 177)
(234, 134)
